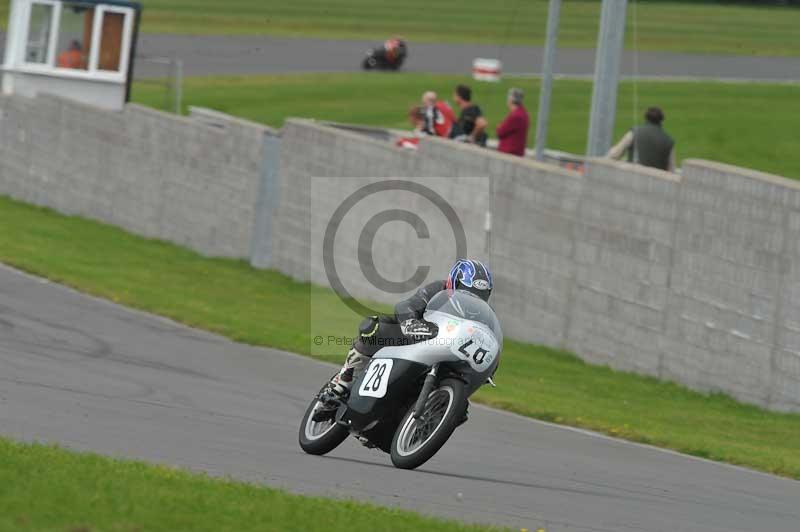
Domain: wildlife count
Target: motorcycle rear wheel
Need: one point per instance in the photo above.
(417, 440)
(320, 437)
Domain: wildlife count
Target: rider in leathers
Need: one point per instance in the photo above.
(406, 326)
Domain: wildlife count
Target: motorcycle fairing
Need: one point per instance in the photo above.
(444, 348)
(402, 384)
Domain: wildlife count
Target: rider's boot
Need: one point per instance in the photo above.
(338, 389)
(354, 364)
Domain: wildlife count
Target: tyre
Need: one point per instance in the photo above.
(320, 437)
(417, 440)
(369, 63)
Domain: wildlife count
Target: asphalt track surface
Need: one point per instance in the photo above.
(208, 55)
(92, 375)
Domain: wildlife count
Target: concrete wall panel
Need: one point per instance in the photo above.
(155, 174)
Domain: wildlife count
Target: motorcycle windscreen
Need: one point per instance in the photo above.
(386, 385)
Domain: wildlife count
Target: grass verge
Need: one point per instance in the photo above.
(267, 308)
(750, 125)
(48, 488)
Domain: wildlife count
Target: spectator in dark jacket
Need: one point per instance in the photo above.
(471, 120)
(648, 144)
(513, 131)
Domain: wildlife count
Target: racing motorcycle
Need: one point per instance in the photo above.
(411, 398)
(390, 56)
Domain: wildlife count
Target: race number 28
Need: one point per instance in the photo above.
(376, 378)
(477, 355)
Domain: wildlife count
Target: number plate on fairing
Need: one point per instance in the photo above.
(376, 378)
(478, 347)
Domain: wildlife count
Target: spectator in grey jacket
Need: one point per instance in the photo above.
(648, 144)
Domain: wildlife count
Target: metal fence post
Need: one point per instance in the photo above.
(543, 118)
(178, 86)
(610, 41)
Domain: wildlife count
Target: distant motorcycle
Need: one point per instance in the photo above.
(390, 56)
(412, 397)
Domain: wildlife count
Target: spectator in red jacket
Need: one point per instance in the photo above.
(513, 131)
(440, 120)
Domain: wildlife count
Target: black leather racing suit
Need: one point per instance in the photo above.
(381, 331)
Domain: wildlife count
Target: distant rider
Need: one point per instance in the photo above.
(407, 323)
(394, 49)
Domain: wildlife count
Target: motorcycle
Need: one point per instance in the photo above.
(411, 398)
(390, 56)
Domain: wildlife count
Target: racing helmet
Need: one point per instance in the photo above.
(472, 276)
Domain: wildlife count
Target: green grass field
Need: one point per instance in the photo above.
(267, 308)
(751, 125)
(672, 26)
(44, 488)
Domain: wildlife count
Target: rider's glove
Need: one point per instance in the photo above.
(417, 330)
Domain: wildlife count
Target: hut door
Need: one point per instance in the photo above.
(111, 41)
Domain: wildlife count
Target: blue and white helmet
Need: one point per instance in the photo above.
(472, 276)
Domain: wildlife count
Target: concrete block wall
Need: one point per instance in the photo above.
(784, 385)
(534, 216)
(622, 255)
(732, 314)
(321, 166)
(155, 174)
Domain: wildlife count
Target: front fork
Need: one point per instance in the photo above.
(427, 387)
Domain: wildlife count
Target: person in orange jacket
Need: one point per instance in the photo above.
(72, 57)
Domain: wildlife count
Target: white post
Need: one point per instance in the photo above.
(16, 34)
(13, 36)
(610, 41)
(546, 91)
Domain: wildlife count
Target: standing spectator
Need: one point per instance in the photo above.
(513, 131)
(648, 144)
(440, 120)
(471, 121)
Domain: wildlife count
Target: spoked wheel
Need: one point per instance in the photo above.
(417, 440)
(320, 437)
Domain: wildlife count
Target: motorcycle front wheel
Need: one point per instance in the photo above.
(417, 440)
(320, 437)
